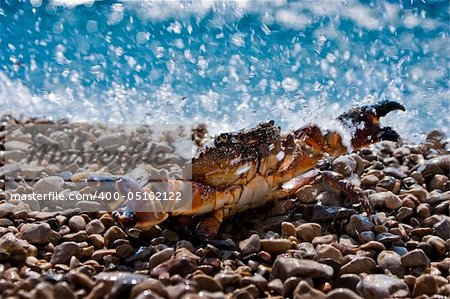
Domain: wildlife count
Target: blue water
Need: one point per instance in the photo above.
(230, 64)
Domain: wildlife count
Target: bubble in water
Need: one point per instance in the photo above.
(289, 84)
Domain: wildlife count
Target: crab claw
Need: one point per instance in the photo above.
(366, 120)
(136, 212)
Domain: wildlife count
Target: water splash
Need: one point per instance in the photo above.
(230, 64)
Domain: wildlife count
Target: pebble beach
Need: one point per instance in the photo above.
(312, 245)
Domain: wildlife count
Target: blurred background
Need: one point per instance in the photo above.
(230, 64)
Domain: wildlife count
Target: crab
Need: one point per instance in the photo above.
(247, 169)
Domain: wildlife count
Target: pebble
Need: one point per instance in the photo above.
(112, 234)
(288, 229)
(285, 267)
(306, 194)
(375, 286)
(250, 245)
(178, 265)
(257, 280)
(341, 293)
(77, 223)
(442, 228)
(40, 234)
(276, 245)
(425, 284)
(95, 227)
(391, 260)
(207, 283)
(13, 249)
(160, 257)
(308, 231)
(359, 224)
(326, 251)
(48, 184)
(305, 291)
(359, 265)
(63, 252)
(227, 278)
(344, 165)
(415, 258)
(387, 199)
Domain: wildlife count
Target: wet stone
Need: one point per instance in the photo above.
(359, 265)
(160, 257)
(415, 258)
(376, 286)
(95, 227)
(250, 245)
(284, 268)
(425, 284)
(40, 234)
(391, 260)
(257, 279)
(442, 228)
(64, 252)
(308, 231)
(112, 234)
(77, 223)
(358, 224)
(276, 245)
(205, 282)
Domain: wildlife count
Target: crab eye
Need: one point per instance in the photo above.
(224, 138)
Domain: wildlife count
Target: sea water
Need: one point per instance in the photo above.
(229, 64)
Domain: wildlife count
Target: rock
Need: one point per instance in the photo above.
(153, 285)
(40, 234)
(112, 234)
(257, 279)
(207, 283)
(358, 224)
(101, 253)
(415, 258)
(387, 199)
(366, 236)
(305, 291)
(95, 227)
(288, 229)
(228, 278)
(404, 213)
(425, 284)
(250, 245)
(342, 293)
(306, 194)
(359, 265)
(178, 265)
(10, 169)
(276, 245)
(122, 251)
(285, 267)
(43, 290)
(438, 182)
(344, 165)
(13, 249)
(6, 209)
(160, 257)
(348, 281)
(395, 172)
(390, 260)
(276, 286)
(48, 184)
(442, 228)
(375, 286)
(327, 239)
(369, 181)
(64, 252)
(387, 238)
(326, 251)
(77, 223)
(438, 244)
(308, 231)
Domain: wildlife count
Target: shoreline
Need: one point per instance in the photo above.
(291, 248)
